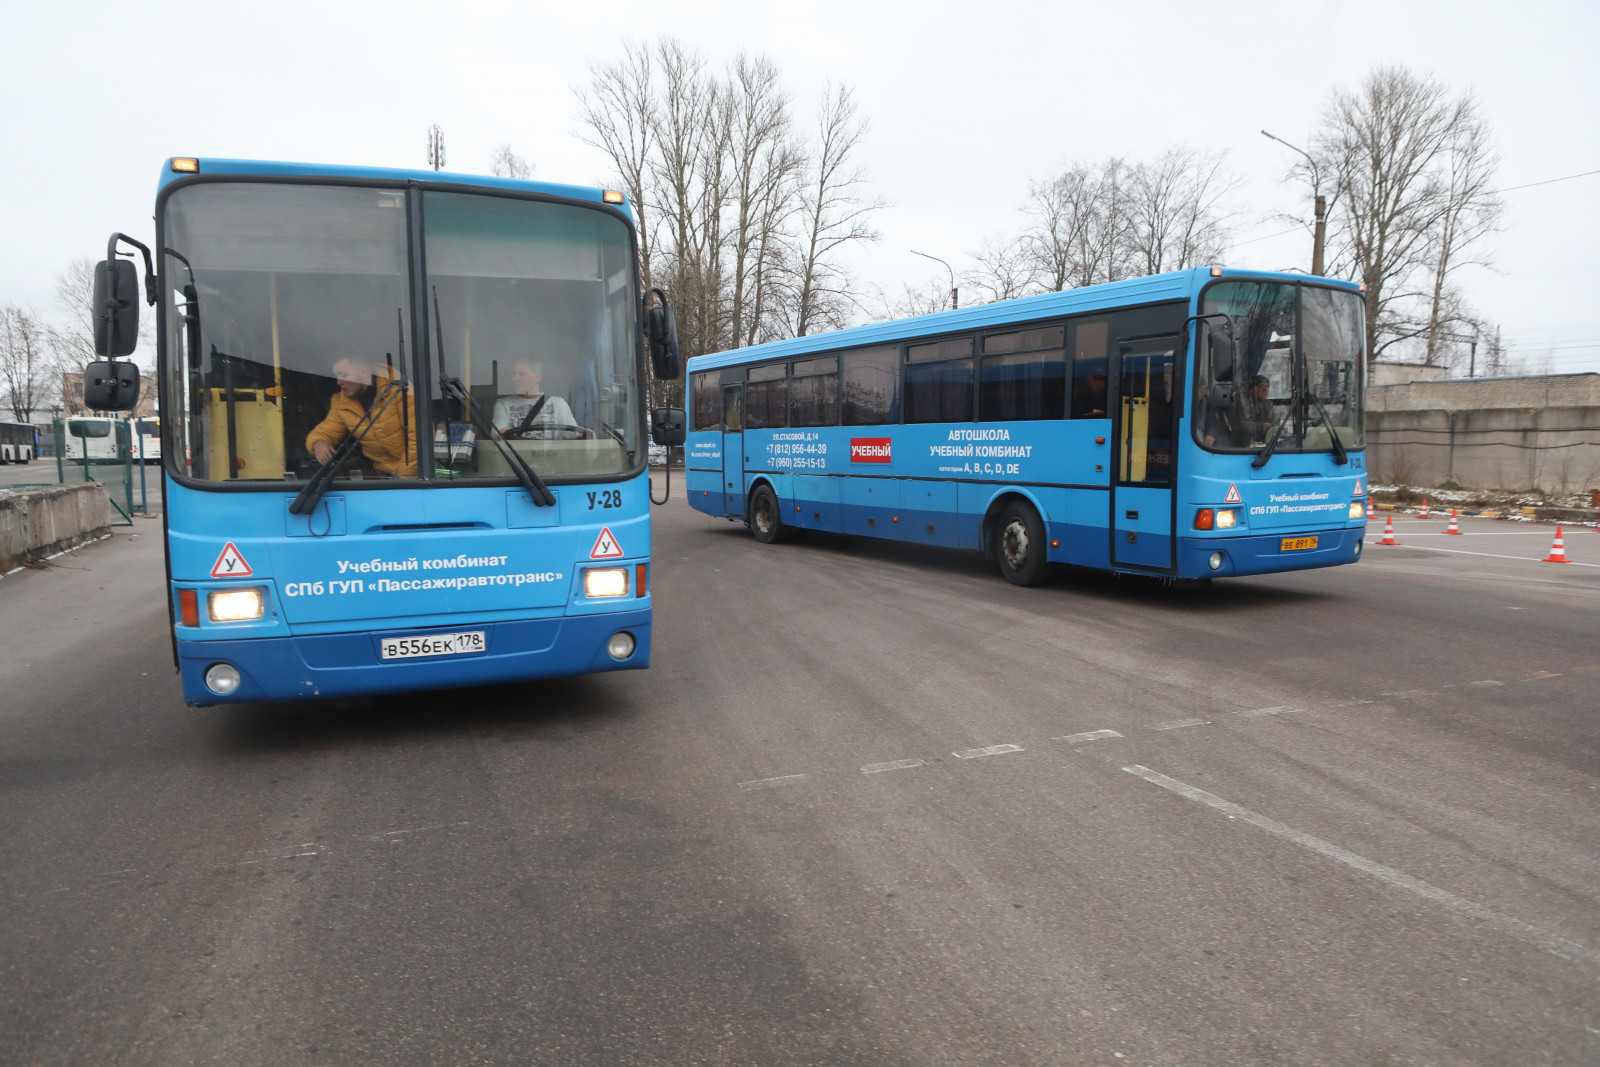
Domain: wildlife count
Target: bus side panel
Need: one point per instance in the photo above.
(929, 513)
(703, 472)
(870, 506)
(817, 496)
(1081, 529)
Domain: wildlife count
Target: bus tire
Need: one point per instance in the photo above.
(1019, 544)
(766, 517)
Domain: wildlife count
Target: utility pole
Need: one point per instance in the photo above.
(936, 259)
(1321, 205)
(436, 147)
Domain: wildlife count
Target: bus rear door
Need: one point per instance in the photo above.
(1145, 417)
(733, 450)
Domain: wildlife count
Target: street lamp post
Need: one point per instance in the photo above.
(1321, 204)
(936, 259)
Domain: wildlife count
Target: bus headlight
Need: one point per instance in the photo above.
(222, 678)
(234, 605)
(605, 581)
(621, 645)
(1358, 510)
(1227, 518)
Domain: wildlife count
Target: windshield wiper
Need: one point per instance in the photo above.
(307, 500)
(1277, 431)
(451, 388)
(1333, 434)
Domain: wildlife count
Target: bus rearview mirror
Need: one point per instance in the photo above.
(667, 426)
(1221, 351)
(116, 308)
(111, 385)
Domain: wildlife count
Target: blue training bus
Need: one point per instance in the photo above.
(1200, 423)
(404, 432)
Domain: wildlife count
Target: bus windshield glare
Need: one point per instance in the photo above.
(1295, 380)
(291, 315)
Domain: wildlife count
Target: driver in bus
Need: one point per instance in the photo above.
(530, 413)
(1259, 416)
(389, 443)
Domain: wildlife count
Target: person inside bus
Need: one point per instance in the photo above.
(389, 444)
(1257, 415)
(530, 413)
(1089, 392)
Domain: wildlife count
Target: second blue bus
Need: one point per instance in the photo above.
(1188, 425)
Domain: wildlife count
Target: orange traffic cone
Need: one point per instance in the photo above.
(1424, 512)
(1453, 528)
(1388, 532)
(1558, 551)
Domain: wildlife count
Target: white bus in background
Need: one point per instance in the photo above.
(145, 433)
(19, 442)
(96, 438)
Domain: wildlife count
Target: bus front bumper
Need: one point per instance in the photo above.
(1269, 553)
(349, 664)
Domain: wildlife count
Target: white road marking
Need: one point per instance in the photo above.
(391, 834)
(1533, 935)
(1487, 683)
(772, 783)
(1536, 675)
(992, 750)
(1088, 735)
(1351, 703)
(1268, 711)
(1492, 555)
(892, 765)
(1178, 724)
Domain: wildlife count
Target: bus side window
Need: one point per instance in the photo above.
(1090, 365)
(707, 388)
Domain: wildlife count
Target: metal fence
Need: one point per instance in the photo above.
(123, 476)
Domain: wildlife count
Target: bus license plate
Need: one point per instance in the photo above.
(432, 645)
(1298, 544)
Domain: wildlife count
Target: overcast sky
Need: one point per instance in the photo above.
(967, 102)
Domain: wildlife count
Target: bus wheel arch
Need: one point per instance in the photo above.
(765, 514)
(1014, 536)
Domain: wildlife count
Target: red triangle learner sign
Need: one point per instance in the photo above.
(230, 564)
(606, 546)
(1233, 495)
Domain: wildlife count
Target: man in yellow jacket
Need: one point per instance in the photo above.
(391, 442)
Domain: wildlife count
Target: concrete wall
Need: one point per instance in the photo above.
(1488, 433)
(35, 523)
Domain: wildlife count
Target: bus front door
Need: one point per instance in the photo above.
(1141, 500)
(733, 450)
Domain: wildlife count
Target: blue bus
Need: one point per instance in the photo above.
(1188, 425)
(404, 435)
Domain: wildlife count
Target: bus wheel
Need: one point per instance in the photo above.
(766, 518)
(1019, 545)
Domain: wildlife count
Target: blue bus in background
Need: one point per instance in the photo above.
(404, 437)
(1201, 423)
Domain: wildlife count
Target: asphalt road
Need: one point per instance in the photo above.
(870, 806)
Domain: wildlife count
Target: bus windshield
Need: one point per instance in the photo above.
(290, 312)
(1296, 377)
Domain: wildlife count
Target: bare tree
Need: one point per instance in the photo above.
(507, 164)
(25, 370)
(1005, 270)
(1471, 209)
(1078, 226)
(1176, 220)
(835, 207)
(619, 109)
(765, 164)
(1389, 146)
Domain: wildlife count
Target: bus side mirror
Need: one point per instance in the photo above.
(111, 385)
(116, 308)
(661, 332)
(1222, 396)
(666, 426)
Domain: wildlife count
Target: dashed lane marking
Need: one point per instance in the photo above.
(773, 783)
(1492, 555)
(1533, 935)
(1178, 724)
(892, 765)
(1267, 711)
(992, 750)
(1087, 735)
